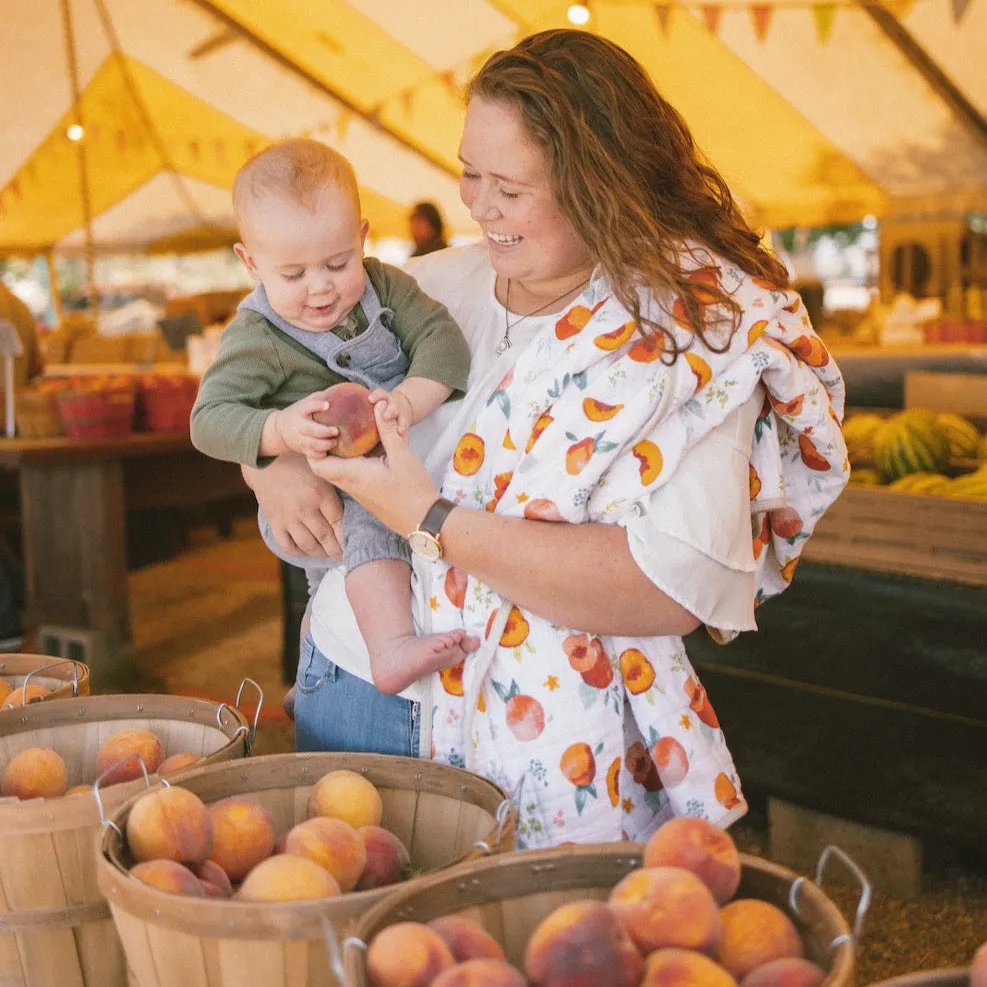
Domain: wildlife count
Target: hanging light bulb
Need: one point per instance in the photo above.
(578, 14)
(75, 132)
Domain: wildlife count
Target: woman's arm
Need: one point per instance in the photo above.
(580, 576)
(305, 512)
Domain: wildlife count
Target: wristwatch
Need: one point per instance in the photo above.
(424, 540)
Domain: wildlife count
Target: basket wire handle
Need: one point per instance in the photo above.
(863, 903)
(513, 801)
(44, 668)
(260, 702)
(333, 951)
(109, 823)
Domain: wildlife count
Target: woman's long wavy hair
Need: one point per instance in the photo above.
(628, 176)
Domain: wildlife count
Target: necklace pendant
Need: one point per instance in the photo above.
(503, 346)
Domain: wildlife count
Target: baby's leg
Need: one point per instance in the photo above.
(380, 595)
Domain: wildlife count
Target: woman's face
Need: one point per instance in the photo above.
(507, 187)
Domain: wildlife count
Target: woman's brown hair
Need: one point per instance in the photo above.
(628, 176)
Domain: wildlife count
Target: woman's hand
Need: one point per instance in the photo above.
(304, 511)
(395, 487)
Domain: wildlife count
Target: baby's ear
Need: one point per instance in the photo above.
(248, 262)
(364, 230)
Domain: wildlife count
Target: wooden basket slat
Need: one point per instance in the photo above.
(139, 958)
(184, 954)
(920, 535)
(49, 959)
(23, 878)
(99, 952)
(76, 863)
(10, 960)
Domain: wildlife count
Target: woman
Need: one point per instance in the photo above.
(639, 372)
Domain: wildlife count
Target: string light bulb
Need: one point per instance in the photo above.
(578, 14)
(75, 132)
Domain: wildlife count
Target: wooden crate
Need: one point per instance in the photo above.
(913, 534)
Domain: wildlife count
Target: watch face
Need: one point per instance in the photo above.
(425, 545)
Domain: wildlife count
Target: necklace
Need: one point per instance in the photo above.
(505, 343)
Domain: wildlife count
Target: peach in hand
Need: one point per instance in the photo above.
(352, 413)
(684, 968)
(34, 773)
(754, 933)
(407, 954)
(331, 843)
(387, 858)
(467, 940)
(288, 878)
(242, 835)
(582, 944)
(170, 824)
(346, 795)
(662, 907)
(700, 846)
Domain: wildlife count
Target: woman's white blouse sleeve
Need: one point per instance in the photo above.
(693, 537)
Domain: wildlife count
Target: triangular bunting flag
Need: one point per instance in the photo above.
(761, 15)
(899, 9)
(663, 10)
(448, 80)
(343, 120)
(959, 9)
(408, 101)
(823, 14)
(711, 16)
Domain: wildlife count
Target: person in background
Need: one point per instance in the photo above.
(650, 432)
(425, 224)
(320, 315)
(30, 363)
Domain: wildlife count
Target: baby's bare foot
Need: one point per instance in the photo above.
(418, 656)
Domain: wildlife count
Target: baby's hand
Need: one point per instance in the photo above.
(397, 408)
(300, 432)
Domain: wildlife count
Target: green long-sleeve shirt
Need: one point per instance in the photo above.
(259, 368)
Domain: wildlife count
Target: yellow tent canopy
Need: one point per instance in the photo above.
(815, 113)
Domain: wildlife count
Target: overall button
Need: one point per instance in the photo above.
(343, 359)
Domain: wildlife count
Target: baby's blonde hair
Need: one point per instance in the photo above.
(298, 169)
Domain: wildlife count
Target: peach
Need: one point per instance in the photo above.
(79, 789)
(242, 835)
(18, 697)
(700, 846)
(214, 880)
(684, 968)
(352, 413)
(978, 967)
(288, 878)
(582, 944)
(481, 973)
(387, 858)
(122, 745)
(754, 933)
(5, 690)
(331, 843)
(467, 940)
(787, 972)
(176, 762)
(663, 907)
(407, 954)
(170, 824)
(279, 844)
(34, 773)
(168, 875)
(346, 795)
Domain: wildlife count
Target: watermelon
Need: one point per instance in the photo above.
(963, 436)
(866, 478)
(920, 482)
(858, 433)
(909, 442)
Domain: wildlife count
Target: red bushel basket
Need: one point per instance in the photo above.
(166, 401)
(103, 413)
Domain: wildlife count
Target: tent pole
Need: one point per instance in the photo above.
(87, 218)
(53, 285)
(928, 68)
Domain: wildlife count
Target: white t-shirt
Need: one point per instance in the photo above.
(693, 539)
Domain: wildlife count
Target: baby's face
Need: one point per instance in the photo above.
(310, 261)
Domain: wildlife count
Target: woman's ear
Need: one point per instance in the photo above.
(248, 262)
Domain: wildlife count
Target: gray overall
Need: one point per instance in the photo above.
(374, 358)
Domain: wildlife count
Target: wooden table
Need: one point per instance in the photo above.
(74, 496)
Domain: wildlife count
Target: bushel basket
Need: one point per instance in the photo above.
(443, 815)
(510, 895)
(63, 678)
(55, 927)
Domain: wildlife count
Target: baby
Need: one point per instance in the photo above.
(322, 313)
